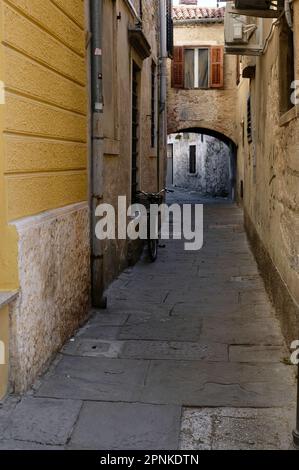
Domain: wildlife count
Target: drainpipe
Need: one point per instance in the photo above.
(96, 166)
(162, 85)
(288, 13)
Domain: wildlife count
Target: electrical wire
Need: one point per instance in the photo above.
(273, 26)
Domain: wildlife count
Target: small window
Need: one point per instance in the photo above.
(192, 159)
(198, 67)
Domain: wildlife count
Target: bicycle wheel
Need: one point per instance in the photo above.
(153, 249)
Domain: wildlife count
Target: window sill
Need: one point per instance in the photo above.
(289, 116)
(7, 297)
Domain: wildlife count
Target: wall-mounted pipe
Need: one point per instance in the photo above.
(163, 56)
(288, 13)
(96, 164)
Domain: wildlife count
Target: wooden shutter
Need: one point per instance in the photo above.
(216, 67)
(178, 68)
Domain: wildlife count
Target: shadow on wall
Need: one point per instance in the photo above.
(200, 163)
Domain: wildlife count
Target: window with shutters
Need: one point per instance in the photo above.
(197, 67)
(192, 159)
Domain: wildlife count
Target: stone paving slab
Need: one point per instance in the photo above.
(94, 348)
(97, 331)
(43, 421)
(242, 331)
(256, 354)
(175, 350)
(142, 427)
(219, 298)
(236, 429)
(108, 318)
(6, 409)
(166, 328)
(149, 350)
(224, 311)
(219, 384)
(89, 378)
(25, 445)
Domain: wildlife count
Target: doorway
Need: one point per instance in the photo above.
(135, 132)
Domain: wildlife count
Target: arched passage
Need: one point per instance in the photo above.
(202, 162)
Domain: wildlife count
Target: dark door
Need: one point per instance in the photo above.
(135, 131)
(169, 181)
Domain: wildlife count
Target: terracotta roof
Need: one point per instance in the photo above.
(185, 12)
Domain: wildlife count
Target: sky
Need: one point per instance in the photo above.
(203, 3)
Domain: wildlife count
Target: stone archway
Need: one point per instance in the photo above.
(217, 134)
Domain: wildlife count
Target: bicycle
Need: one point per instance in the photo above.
(148, 199)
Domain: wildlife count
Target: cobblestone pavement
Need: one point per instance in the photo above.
(188, 355)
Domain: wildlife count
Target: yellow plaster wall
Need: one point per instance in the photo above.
(43, 121)
(44, 147)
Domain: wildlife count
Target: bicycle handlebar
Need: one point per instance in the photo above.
(165, 190)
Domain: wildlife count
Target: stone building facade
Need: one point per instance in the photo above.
(254, 110)
(199, 163)
(131, 58)
(268, 162)
(62, 153)
(202, 91)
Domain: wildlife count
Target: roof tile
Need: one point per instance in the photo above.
(186, 12)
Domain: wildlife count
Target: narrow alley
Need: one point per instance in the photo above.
(187, 355)
(121, 123)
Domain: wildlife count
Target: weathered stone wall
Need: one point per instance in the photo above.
(212, 177)
(118, 57)
(269, 170)
(54, 273)
(212, 109)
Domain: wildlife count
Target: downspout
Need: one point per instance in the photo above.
(96, 170)
(162, 86)
(288, 13)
